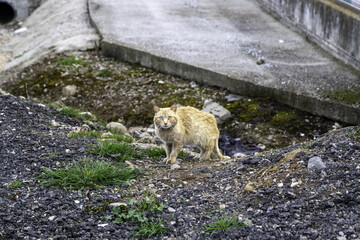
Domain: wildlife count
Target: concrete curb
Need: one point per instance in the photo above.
(329, 109)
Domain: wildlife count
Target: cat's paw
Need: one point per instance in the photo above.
(169, 161)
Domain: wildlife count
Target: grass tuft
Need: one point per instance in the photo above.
(73, 61)
(223, 223)
(87, 174)
(121, 150)
(15, 184)
(151, 228)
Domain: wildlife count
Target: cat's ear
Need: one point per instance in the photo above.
(156, 109)
(173, 108)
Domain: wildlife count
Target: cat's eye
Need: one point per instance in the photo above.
(170, 117)
(161, 118)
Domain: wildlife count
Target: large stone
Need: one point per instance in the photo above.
(117, 127)
(221, 114)
(69, 90)
(316, 162)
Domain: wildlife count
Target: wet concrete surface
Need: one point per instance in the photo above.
(233, 44)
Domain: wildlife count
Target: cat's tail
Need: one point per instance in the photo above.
(217, 150)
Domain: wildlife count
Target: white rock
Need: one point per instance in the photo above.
(261, 146)
(69, 90)
(52, 218)
(116, 127)
(239, 155)
(103, 225)
(233, 97)
(54, 123)
(221, 114)
(107, 135)
(222, 206)
(116, 204)
(172, 210)
(174, 166)
(316, 162)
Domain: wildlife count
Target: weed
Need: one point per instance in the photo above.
(87, 174)
(122, 151)
(158, 153)
(134, 210)
(106, 73)
(54, 154)
(79, 132)
(223, 223)
(356, 133)
(151, 228)
(73, 61)
(15, 184)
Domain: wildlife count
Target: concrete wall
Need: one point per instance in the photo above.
(333, 25)
(24, 8)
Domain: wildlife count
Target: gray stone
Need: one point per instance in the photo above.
(221, 114)
(116, 127)
(233, 97)
(316, 162)
(69, 90)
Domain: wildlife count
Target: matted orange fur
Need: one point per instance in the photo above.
(187, 125)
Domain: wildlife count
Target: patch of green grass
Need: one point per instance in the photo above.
(121, 150)
(223, 223)
(355, 134)
(73, 61)
(134, 209)
(15, 184)
(151, 228)
(54, 154)
(348, 96)
(106, 73)
(120, 137)
(81, 133)
(159, 153)
(87, 173)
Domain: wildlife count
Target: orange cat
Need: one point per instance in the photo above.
(186, 125)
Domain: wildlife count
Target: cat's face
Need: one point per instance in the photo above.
(165, 118)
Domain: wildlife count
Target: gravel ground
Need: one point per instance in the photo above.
(289, 200)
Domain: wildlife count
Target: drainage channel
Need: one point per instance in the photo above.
(7, 12)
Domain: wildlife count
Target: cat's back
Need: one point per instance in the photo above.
(192, 117)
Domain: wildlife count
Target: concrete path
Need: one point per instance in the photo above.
(55, 27)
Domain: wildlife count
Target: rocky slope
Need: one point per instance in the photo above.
(276, 194)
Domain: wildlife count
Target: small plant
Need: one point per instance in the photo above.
(73, 61)
(80, 132)
(355, 134)
(120, 150)
(54, 154)
(151, 228)
(105, 73)
(15, 184)
(158, 153)
(87, 174)
(134, 210)
(223, 223)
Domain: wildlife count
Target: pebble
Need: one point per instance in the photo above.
(172, 210)
(249, 187)
(174, 166)
(222, 206)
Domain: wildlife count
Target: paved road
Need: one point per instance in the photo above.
(222, 43)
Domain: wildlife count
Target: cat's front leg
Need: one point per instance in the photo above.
(174, 153)
(168, 149)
